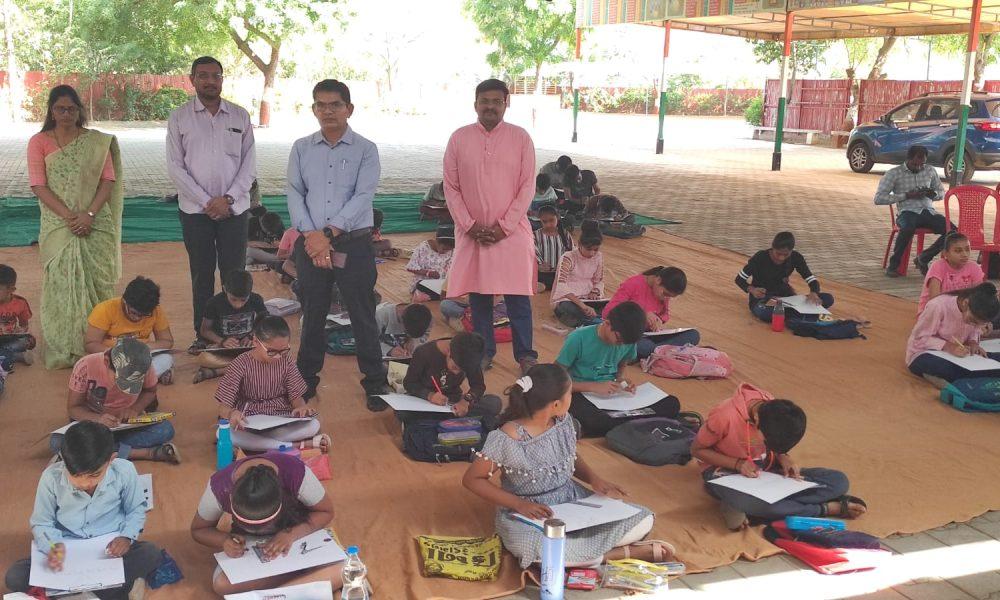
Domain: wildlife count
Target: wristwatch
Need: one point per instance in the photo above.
(328, 233)
(229, 199)
(91, 214)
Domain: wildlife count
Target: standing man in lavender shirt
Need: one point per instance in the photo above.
(212, 160)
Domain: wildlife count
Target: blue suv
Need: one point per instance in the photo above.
(930, 120)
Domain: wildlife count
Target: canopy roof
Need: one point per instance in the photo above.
(814, 19)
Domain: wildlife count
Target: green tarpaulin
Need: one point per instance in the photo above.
(147, 220)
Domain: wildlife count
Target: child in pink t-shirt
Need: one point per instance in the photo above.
(652, 290)
(753, 432)
(953, 271)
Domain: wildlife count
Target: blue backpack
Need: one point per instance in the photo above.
(973, 394)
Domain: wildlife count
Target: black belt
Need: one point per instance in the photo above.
(352, 235)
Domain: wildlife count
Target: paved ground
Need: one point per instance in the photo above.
(718, 182)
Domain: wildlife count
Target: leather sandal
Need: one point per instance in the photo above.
(317, 443)
(167, 453)
(662, 551)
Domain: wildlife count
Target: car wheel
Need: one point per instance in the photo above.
(860, 158)
(949, 166)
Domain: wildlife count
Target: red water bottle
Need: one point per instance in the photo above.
(778, 317)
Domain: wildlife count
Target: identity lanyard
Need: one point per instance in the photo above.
(750, 458)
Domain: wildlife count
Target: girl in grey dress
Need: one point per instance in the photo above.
(535, 453)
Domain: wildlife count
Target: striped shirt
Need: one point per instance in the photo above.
(259, 388)
(897, 181)
(579, 275)
(548, 248)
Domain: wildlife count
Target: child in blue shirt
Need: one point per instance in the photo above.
(88, 494)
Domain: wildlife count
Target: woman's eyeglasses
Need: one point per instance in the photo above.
(65, 110)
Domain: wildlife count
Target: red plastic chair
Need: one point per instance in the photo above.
(971, 216)
(905, 260)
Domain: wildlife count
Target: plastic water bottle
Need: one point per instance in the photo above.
(224, 446)
(355, 577)
(290, 450)
(778, 317)
(553, 560)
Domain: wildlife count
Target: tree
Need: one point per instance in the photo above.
(15, 83)
(266, 25)
(958, 45)
(527, 33)
(806, 55)
(858, 51)
(391, 48)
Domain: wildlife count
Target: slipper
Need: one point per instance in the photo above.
(735, 519)
(662, 551)
(317, 443)
(167, 453)
(845, 501)
(204, 373)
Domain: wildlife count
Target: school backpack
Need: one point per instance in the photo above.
(973, 394)
(679, 362)
(595, 422)
(340, 340)
(621, 229)
(840, 329)
(421, 442)
(656, 441)
(501, 324)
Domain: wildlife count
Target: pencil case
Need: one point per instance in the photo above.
(461, 424)
(808, 523)
(458, 438)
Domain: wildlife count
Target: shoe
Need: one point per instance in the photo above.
(526, 364)
(373, 402)
(138, 589)
(890, 272)
(920, 264)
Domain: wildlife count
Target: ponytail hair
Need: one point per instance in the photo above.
(564, 236)
(590, 234)
(671, 278)
(543, 385)
(982, 299)
(259, 496)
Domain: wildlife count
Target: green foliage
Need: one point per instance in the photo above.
(806, 56)
(526, 33)
(703, 104)
(164, 101)
(754, 112)
(676, 88)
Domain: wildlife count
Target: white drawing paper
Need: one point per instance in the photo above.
(769, 487)
(434, 285)
(87, 566)
(316, 590)
(264, 422)
(972, 362)
(405, 402)
(146, 481)
(316, 549)
(586, 512)
(645, 395)
(659, 332)
(803, 306)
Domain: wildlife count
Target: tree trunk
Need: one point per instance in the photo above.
(880, 58)
(539, 85)
(15, 83)
(270, 74)
(984, 44)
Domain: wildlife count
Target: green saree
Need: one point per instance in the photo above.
(78, 272)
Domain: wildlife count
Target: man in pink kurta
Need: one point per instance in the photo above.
(489, 181)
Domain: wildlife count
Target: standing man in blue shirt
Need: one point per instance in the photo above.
(332, 176)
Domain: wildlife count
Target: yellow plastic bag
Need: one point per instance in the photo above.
(466, 559)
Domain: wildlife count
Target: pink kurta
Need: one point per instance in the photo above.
(489, 179)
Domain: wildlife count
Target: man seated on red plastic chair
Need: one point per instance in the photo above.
(913, 187)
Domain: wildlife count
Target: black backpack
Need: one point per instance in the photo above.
(841, 329)
(595, 422)
(420, 442)
(656, 441)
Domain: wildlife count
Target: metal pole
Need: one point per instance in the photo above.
(929, 42)
(576, 91)
(779, 125)
(663, 92)
(958, 166)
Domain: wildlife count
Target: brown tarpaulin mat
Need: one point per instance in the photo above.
(917, 463)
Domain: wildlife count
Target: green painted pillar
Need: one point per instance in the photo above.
(779, 125)
(663, 113)
(958, 165)
(958, 169)
(576, 111)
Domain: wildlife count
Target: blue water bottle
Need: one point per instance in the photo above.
(224, 446)
(553, 559)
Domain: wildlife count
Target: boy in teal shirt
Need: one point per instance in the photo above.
(596, 356)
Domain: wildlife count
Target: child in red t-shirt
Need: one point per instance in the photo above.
(15, 341)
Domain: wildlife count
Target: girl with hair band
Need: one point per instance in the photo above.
(272, 496)
(580, 277)
(535, 453)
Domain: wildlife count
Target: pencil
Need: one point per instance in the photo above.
(436, 385)
(960, 344)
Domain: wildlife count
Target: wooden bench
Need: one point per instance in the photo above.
(801, 136)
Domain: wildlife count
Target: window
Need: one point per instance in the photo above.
(940, 109)
(906, 113)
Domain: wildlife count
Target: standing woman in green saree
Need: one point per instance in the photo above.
(76, 174)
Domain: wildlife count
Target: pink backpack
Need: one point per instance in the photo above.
(679, 362)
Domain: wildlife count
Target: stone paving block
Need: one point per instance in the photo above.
(772, 565)
(904, 544)
(699, 580)
(957, 534)
(888, 594)
(932, 590)
(989, 524)
(985, 586)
